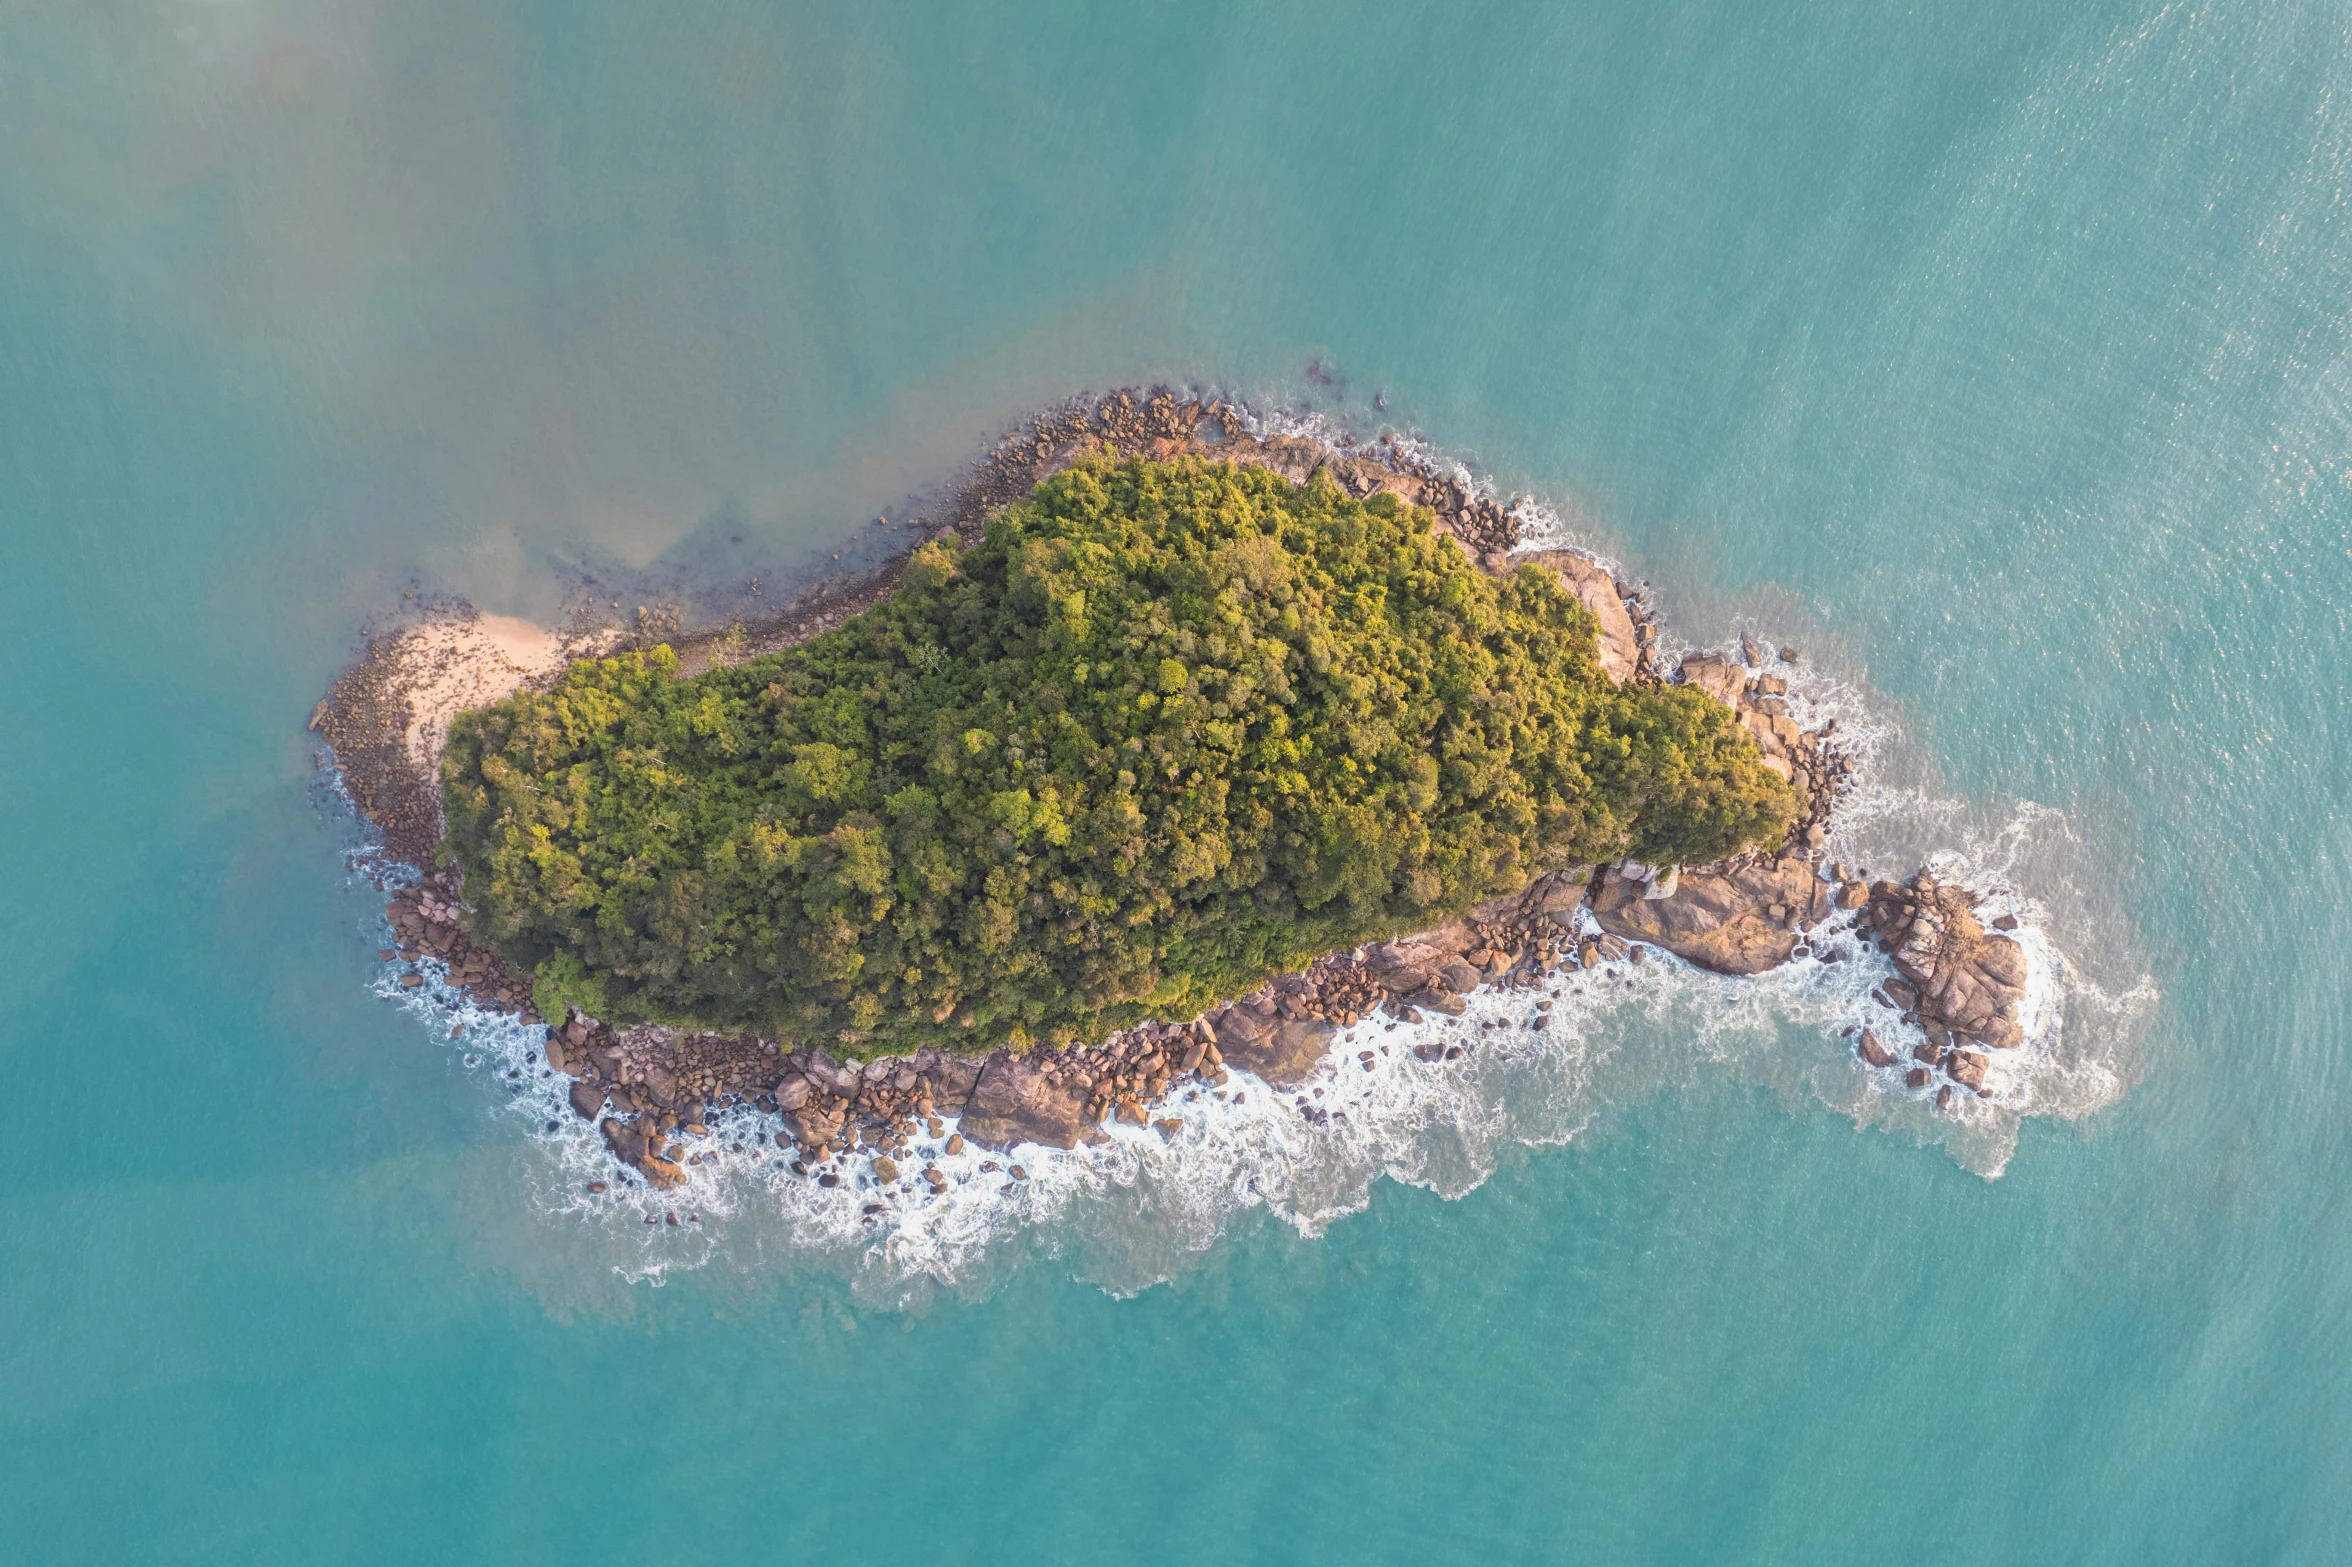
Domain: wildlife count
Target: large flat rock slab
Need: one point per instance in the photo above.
(1283, 1056)
(1014, 1101)
(1721, 921)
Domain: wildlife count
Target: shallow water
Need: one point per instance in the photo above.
(1994, 356)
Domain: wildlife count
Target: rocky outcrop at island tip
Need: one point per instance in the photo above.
(1958, 982)
(650, 1088)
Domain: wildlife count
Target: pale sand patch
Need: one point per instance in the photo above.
(454, 666)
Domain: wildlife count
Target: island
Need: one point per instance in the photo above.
(1176, 750)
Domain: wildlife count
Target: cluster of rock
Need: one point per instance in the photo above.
(1957, 983)
(365, 716)
(428, 922)
(648, 1087)
(1280, 1031)
(1808, 758)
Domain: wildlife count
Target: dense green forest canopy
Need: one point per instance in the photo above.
(1169, 729)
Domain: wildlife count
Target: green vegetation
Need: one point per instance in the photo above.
(1171, 728)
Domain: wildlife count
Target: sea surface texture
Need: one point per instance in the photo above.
(1996, 356)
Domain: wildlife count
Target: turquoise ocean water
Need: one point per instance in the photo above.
(2000, 355)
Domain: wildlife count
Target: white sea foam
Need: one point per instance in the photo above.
(1128, 1213)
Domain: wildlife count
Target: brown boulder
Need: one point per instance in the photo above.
(1968, 1068)
(1874, 1052)
(1399, 968)
(1718, 920)
(587, 1099)
(1014, 1102)
(1716, 675)
(813, 1124)
(624, 1141)
(1238, 1025)
(1286, 1057)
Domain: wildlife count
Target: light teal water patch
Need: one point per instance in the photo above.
(1997, 355)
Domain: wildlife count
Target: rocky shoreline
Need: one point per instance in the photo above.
(649, 1088)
